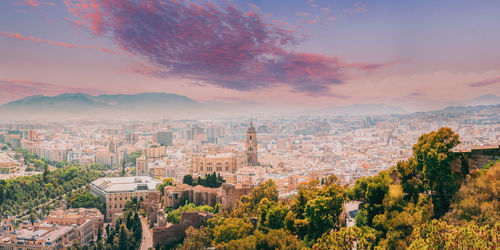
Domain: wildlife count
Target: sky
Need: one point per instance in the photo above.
(419, 55)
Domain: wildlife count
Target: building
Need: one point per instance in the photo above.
(32, 136)
(7, 164)
(104, 158)
(219, 163)
(43, 237)
(164, 138)
(226, 195)
(87, 220)
(251, 146)
(155, 151)
(59, 230)
(141, 166)
(116, 191)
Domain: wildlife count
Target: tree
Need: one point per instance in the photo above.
(165, 182)
(348, 238)
(122, 239)
(438, 234)
(276, 216)
(430, 170)
(197, 238)
(478, 199)
(133, 157)
(188, 179)
(323, 214)
(232, 229)
(99, 234)
(265, 190)
(86, 200)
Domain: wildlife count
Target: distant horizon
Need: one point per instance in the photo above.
(230, 101)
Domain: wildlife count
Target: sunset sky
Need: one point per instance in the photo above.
(419, 55)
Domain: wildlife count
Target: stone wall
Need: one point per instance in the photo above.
(475, 158)
(226, 195)
(175, 233)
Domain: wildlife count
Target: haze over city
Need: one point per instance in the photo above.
(232, 124)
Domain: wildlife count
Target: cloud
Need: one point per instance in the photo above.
(233, 100)
(302, 13)
(13, 89)
(358, 7)
(253, 6)
(218, 45)
(35, 3)
(485, 82)
(60, 44)
(312, 21)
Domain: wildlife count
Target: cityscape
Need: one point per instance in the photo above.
(248, 125)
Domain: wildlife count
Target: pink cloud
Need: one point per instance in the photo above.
(313, 21)
(35, 3)
(218, 45)
(485, 82)
(253, 6)
(60, 44)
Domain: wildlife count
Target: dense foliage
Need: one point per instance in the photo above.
(210, 180)
(174, 216)
(25, 195)
(83, 198)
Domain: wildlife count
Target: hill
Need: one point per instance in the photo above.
(78, 105)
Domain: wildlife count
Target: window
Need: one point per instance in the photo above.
(250, 137)
(201, 168)
(227, 168)
(219, 169)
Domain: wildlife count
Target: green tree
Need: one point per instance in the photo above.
(232, 229)
(323, 214)
(165, 182)
(197, 238)
(122, 239)
(188, 179)
(430, 170)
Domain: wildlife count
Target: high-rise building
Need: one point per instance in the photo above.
(251, 146)
(164, 138)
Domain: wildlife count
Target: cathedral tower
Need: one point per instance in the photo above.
(251, 145)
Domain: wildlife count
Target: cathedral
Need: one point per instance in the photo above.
(251, 146)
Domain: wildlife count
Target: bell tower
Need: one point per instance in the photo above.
(251, 144)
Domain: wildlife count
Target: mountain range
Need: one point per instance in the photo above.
(172, 106)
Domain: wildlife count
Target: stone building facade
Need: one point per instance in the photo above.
(226, 195)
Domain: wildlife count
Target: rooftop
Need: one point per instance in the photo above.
(126, 184)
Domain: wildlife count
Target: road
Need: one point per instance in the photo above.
(147, 238)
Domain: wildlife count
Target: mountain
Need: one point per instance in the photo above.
(78, 105)
(483, 100)
(365, 109)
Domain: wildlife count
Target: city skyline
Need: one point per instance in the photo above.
(298, 53)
